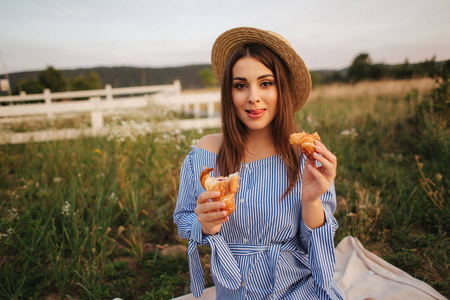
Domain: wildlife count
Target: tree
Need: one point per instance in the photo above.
(360, 67)
(377, 72)
(29, 86)
(53, 80)
(90, 82)
(207, 76)
(315, 78)
(403, 71)
(426, 68)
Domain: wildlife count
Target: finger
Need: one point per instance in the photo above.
(213, 206)
(214, 217)
(215, 223)
(321, 149)
(327, 168)
(323, 161)
(208, 207)
(317, 174)
(220, 221)
(320, 144)
(205, 196)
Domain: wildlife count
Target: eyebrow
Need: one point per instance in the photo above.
(260, 77)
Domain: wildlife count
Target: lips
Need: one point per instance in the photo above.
(255, 113)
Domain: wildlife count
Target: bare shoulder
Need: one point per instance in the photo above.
(211, 142)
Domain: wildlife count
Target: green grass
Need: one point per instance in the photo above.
(87, 218)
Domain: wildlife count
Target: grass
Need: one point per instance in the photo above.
(92, 218)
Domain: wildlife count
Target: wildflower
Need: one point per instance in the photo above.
(5, 235)
(66, 208)
(98, 151)
(308, 119)
(113, 196)
(194, 142)
(352, 133)
(57, 179)
(12, 214)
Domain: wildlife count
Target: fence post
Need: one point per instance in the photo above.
(109, 96)
(48, 102)
(96, 116)
(177, 87)
(210, 110)
(196, 110)
(185, 109)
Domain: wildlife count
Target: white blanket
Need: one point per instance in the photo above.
(361, 274)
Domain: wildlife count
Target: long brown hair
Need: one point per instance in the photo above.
(232, 149)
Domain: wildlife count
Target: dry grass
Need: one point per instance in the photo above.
(371, 89)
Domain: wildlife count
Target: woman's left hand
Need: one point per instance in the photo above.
(317, 180)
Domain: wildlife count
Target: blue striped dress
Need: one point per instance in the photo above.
(264, 250)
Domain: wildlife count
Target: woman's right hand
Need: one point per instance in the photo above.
(210, 213)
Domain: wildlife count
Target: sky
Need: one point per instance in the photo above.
(328, 34)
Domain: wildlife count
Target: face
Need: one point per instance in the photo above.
(255, 94)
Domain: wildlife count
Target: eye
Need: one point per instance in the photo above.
(239, 86)
(266, 83)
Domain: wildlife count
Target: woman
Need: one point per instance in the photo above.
(278, 244)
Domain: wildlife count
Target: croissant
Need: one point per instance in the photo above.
(227, 186)
(305, 141)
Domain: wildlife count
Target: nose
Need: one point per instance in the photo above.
(253, 96)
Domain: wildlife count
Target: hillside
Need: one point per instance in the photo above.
(130, 76)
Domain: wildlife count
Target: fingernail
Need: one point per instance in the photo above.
(216, 194)
(318, 148)
(221, 205)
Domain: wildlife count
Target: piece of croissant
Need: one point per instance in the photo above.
(305, 141)
(227, 186)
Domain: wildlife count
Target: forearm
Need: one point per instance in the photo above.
(313, 214)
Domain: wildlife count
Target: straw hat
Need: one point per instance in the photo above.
(229, 40)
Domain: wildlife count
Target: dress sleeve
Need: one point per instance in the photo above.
(319, 244)
(184, 215)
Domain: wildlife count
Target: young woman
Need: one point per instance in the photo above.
(278, 243)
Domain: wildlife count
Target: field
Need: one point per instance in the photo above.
(92, 218)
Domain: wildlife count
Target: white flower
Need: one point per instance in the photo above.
(194, 142)
(5, 235)
(12, 214)
(351, 132)
(66, 208)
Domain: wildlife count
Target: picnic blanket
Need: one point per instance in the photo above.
(361, 274)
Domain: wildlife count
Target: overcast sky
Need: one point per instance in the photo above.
(328, 34)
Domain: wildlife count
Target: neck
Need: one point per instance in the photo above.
(258, 145)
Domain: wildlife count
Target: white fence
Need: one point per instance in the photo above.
(108, 100)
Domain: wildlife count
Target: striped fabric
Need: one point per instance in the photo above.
(264, 251)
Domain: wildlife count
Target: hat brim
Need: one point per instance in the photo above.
(229, 40)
